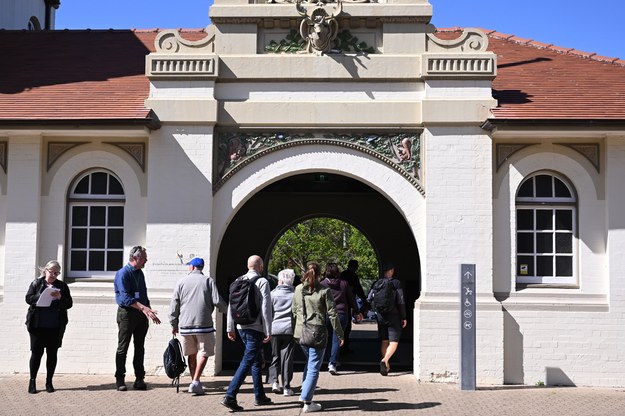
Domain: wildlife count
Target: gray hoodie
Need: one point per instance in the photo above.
(263, 298)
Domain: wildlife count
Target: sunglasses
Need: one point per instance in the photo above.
(53, 273)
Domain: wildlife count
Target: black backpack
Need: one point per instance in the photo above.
(383, 295)
(242, 302)
(174, 362)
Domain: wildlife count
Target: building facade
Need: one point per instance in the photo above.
(445, 147)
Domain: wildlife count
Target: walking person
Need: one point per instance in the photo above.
(313, 301)
(133, 315)
(388, 300)
(253, 335)
(282, 345)
(49, 299)
(345, 303)
(193, 301)
(353, 280)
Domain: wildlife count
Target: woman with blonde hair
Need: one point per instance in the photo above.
(312, 302)
(49, 300)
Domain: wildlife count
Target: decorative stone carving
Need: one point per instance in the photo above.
(504, 151)
(471, 40)
(56, 149)
(3, 155)
(344, 42)
(401, 151)
(319, 28)
(170, 41)
(589, 151)
(136, 150)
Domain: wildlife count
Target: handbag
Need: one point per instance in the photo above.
(315, 336)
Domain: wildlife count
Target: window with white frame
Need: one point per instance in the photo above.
(96, 225)
(546, 230)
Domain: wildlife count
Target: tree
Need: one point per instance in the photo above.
(324, 240)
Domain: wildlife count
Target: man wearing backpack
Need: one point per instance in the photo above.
(388, 300)
(194, 299)
(253, 334)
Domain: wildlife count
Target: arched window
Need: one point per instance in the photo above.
(33, 24)
(546, 230)
(96, 225)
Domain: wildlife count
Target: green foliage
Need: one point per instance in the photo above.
(346, 42)
(324, 240)
(292, 44)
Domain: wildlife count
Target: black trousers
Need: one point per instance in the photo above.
(131, 323)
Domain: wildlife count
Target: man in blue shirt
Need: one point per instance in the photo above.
(133, 313)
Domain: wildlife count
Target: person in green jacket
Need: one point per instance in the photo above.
(319, 303)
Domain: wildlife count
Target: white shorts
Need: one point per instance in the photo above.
(203, 344)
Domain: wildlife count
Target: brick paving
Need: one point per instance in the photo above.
(349, 393)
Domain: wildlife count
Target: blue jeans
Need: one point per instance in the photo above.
(253, 341)
(314, 358)
(335, 348)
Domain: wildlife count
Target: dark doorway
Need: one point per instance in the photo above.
(269, 212)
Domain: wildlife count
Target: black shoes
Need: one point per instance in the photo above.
(139, 384)
(49, 387)
(263, 401)
(121, 385)
(32, 388)
(383, 368)
(231, 404)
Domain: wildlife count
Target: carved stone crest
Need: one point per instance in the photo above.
(319, 27)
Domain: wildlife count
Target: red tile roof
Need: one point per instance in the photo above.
(95, 75)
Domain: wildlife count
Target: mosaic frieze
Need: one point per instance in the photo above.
(401, 151)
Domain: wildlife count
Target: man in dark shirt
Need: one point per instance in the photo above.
(133, 314)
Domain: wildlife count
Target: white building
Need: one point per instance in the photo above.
(443, 147)
(28, 14)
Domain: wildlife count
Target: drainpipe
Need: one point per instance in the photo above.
(48, 19)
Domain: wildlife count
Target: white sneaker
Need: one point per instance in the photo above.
(191, 388)
(288, 392)
(332, 369)
(275, 387)
(312, 407)
(197, 388)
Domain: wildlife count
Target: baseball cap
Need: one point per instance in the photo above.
(196, 262)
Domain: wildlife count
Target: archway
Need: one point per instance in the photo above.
(256, 225)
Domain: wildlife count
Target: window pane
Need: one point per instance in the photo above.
(544, 243)
(561, 189)
(96, 260)
(525, 219)
(564, 243)
(525, 243)
(115, 188)
(543, 186)
(114, 261)
(79, 260)
(544, 266)
(527, 189)
(79, 238)
(116, 238)
(97, 216)
(79, 216)
(525, 266)
(96, 238)
(98, 183)
(564, 266)
(116, 217)
(83, 186)
(544, 219)
(564, 219)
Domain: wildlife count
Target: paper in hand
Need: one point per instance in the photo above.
(46, 297)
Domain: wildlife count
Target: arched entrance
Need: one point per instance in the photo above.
(265, 215)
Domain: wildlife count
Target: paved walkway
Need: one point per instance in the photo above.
(350, 393)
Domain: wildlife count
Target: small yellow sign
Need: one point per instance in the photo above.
(523, 268)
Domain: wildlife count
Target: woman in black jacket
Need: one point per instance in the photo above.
(46, 320)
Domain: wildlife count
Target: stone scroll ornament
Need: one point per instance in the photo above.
(319, 28)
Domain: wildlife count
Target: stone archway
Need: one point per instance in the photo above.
(255, 226)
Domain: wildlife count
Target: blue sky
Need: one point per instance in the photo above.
(589, 26)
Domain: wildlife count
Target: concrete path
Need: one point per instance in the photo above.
(349, 393)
